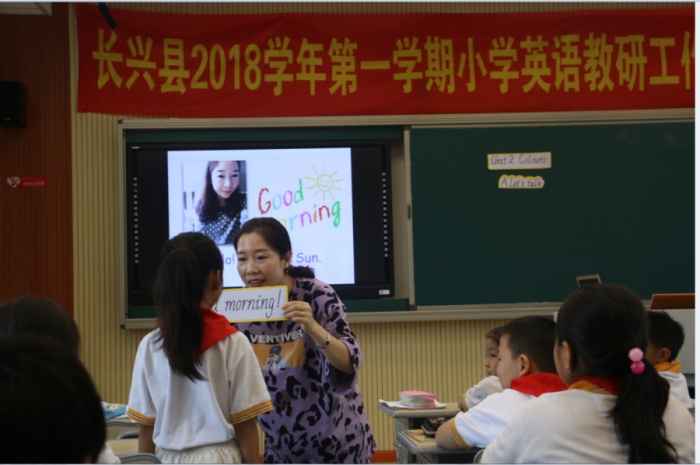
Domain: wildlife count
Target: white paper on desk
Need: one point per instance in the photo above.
(438, 405)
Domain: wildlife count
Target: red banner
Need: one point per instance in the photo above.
(263, 65)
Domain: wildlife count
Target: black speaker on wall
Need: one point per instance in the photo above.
(13, 104)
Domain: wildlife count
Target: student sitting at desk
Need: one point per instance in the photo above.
(526, 370)
(491, 384)
(617, 408)
(666, 338)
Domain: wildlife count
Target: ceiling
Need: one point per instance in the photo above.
(25, 8)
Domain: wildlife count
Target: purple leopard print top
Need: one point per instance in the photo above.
(319, 416)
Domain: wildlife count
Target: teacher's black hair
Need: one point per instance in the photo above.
(188, 260)
(601, 324)
(276, 236)
(50, 409)
(40, 316)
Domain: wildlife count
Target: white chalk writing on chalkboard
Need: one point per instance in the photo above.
(519, 161)
(252, 304)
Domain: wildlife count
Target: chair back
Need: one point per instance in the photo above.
(139, 458)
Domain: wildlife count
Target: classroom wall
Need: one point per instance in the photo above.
(36, 230)
(440, 357)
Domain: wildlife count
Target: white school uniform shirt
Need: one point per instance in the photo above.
(481, 390)
(671, 372)
(482, 424)
(573, 427)
(189, 414)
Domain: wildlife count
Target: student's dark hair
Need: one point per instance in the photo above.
(665, 332)
(276, 236)
(495, 334)
(39, 378)
(41, 316)
(602, 323)
(187, 261)
(208, 207)
(533, 336)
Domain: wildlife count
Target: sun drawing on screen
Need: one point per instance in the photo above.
(324, 183)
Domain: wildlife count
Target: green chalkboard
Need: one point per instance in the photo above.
(618, 201)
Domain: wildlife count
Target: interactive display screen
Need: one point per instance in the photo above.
(334, 199)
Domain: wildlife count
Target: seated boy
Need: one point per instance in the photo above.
(526, 370)
(666, 338)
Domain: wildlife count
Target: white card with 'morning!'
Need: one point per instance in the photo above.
(252, 303)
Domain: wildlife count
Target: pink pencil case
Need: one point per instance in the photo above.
(417, 399)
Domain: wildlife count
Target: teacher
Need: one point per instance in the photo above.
(319, 415)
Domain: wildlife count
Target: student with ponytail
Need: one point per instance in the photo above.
(197, 386)
(617, 408)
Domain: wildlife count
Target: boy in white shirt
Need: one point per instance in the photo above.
(666, 337)
(525, 369)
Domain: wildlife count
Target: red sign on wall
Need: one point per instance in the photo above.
(214, 66)
(19, 182)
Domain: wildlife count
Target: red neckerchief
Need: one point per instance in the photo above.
(216, 328)
(538, 384)
(610, 385)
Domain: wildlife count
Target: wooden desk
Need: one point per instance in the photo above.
(408, 419)
(426, 450)
(121, 421)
